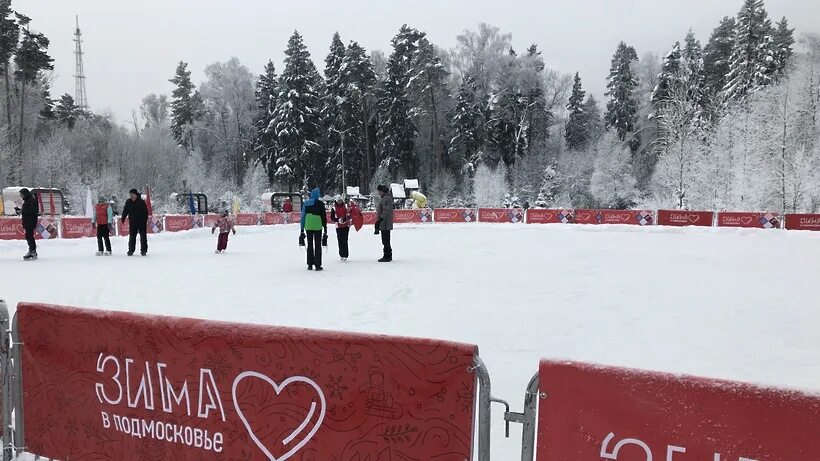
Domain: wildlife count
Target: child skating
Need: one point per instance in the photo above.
(225, 228)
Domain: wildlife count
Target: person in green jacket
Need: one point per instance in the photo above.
(314, 223)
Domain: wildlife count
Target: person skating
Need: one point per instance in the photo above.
(313, 222)
(103, 218)
(384, 221)
(136, 209)
(225, 228)
(29, 213)
(341, 216)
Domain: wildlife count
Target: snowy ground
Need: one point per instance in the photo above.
(734, 304)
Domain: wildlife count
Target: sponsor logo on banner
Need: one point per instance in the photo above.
(141, 387)
(454, 215)
(602, 413)
(803, 222)
(749, 220)
(11, 229)
(685, 218)
(78, 227)
(501, 215)
(247, 219)
(369, 218)
(275, 218)
(177, 223)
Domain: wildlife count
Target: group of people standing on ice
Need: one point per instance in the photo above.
(313, 225)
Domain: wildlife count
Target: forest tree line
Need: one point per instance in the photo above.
(729, 124)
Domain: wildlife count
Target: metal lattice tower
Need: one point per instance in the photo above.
(80, 98)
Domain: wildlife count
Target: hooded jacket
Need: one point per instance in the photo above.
(29, 212)
(340, 215)
(384, 212)
(137, 210)
(314, 216)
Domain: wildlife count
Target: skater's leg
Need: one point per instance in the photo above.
(222, 244)
(32, 244)
(342, 234)
(100, 238)
(388, 249)
(107, 237)
(311, 243)
(143, 240)
(317, 248)
(132, 240)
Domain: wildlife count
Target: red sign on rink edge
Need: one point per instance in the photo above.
(12, 229)
(593, 412)
(683, 218)
(246, 219)
(177, 223)
(753, 220)
(455, 215)
(501, 215)
(285, 393)
(78, 227)
(803, 222)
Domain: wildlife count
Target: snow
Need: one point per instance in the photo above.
(733, 304)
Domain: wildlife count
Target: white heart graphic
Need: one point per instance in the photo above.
(278, 388)
(746, 220)
(694, 218)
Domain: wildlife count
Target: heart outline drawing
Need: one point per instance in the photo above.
(746, 220)
(694, 218)
(278, 389)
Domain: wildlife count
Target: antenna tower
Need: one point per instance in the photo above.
(80, 98)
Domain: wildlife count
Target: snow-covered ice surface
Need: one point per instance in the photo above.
(732, 304)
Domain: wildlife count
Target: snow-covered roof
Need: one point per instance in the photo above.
(411, 183)
(397, 190)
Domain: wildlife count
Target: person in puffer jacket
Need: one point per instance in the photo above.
(341, 216)
(313, 222)
(29, 214)
(225, 228)
(103, 219)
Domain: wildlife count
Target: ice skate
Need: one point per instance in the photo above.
(99, 253)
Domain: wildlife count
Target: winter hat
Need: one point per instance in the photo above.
(382, 188)
(337, 198)
(135, 192)
(25, 192)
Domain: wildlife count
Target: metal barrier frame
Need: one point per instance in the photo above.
(484, 407)
(528, 419)
(6, 373)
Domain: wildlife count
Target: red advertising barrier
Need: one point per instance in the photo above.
(177, 223)
(12, 229)
(803, 222)
(682, 218)
(749, 220)
(139, 387)
(246, 219)
(501, 215)
(542, 216)
(275, 218)
(455, 215)
(413, 216)
(77, 227)
(595, 412)
(210, 220)
(155, 226)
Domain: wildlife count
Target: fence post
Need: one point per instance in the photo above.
(484, 408)
(17, 387)
(5, 371)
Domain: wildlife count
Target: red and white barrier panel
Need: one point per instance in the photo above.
(247, 219)
(79, 227)
(275, 218)
(543, 216)
(177, 223)
(455, 215)
(134, 385)
(683, 218)
(155, 226)
(803, 222)
(626, 217)
(595, 412)
(413, 216)
(748, 219)
(12, 229)
(501, 215)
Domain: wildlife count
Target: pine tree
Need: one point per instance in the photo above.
(31, 59)
(9, 37)
(334, 94)
(357, 79)
(717, 58)
(537, 118)
(783, 42)
(47, 112)
(67, 111)
(398, 129)
(507, 114)
(622, 108)
(297, 118)
(577, 131)
(693, 79)
(428, 92)
(266, 91)
(594, 120)
(469, 123)
(668, 80)
(183, 107)
(753, 54)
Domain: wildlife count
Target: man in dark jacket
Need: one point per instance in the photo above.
(29, 212)
(314, 221)
(384, 221)
(136, 211)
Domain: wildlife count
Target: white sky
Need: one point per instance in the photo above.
(132, 47)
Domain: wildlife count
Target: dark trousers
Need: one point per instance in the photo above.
(388, 250)
(32, 244)
(314, 248)
(222, 241)
(103, 233)
(342, 234)
(132, 238)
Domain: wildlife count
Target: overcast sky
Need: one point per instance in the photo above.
(132, 47)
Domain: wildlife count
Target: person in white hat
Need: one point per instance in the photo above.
(341, 216)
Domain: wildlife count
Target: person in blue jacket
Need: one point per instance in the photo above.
(314, 223)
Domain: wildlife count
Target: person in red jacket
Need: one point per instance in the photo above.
(225, 228)
(341, 216)
(287, 207)
(103, 218)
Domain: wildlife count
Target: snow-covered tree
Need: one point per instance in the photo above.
(717, 59)
(490, 185)
(622, 108)
(469, 122)
(613, 184)
(297, 120)
(66, 112)
(754, 57)
(357, 112)
(577, 130)
(783, 41)
(429, 93)
(668, 80)
(332, 123)
(154, 109)
(267, 88)
(253, 185)
(182, 106)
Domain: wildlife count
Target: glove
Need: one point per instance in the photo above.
(302, 239)
(213, 230)
(234, 232)
(324, 240)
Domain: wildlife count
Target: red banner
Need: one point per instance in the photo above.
(749, 220)
(501, 215)
(369, 218)
(211, 219)
(593, 412)
(413, 216)
(177, 223)
(455, 215)
(541, 216)
(155, 226)
(246, 219)
(803, 222)
(275, 218)
(77, 227)
(12, 229)
(683, 218)
(138, 387)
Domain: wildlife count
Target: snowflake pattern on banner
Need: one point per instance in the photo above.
(516, 216)
(469, 215)
(156, 225)
(426, 215)
(770, 221)
(47, 229)
(566, 216)
(645, 218)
